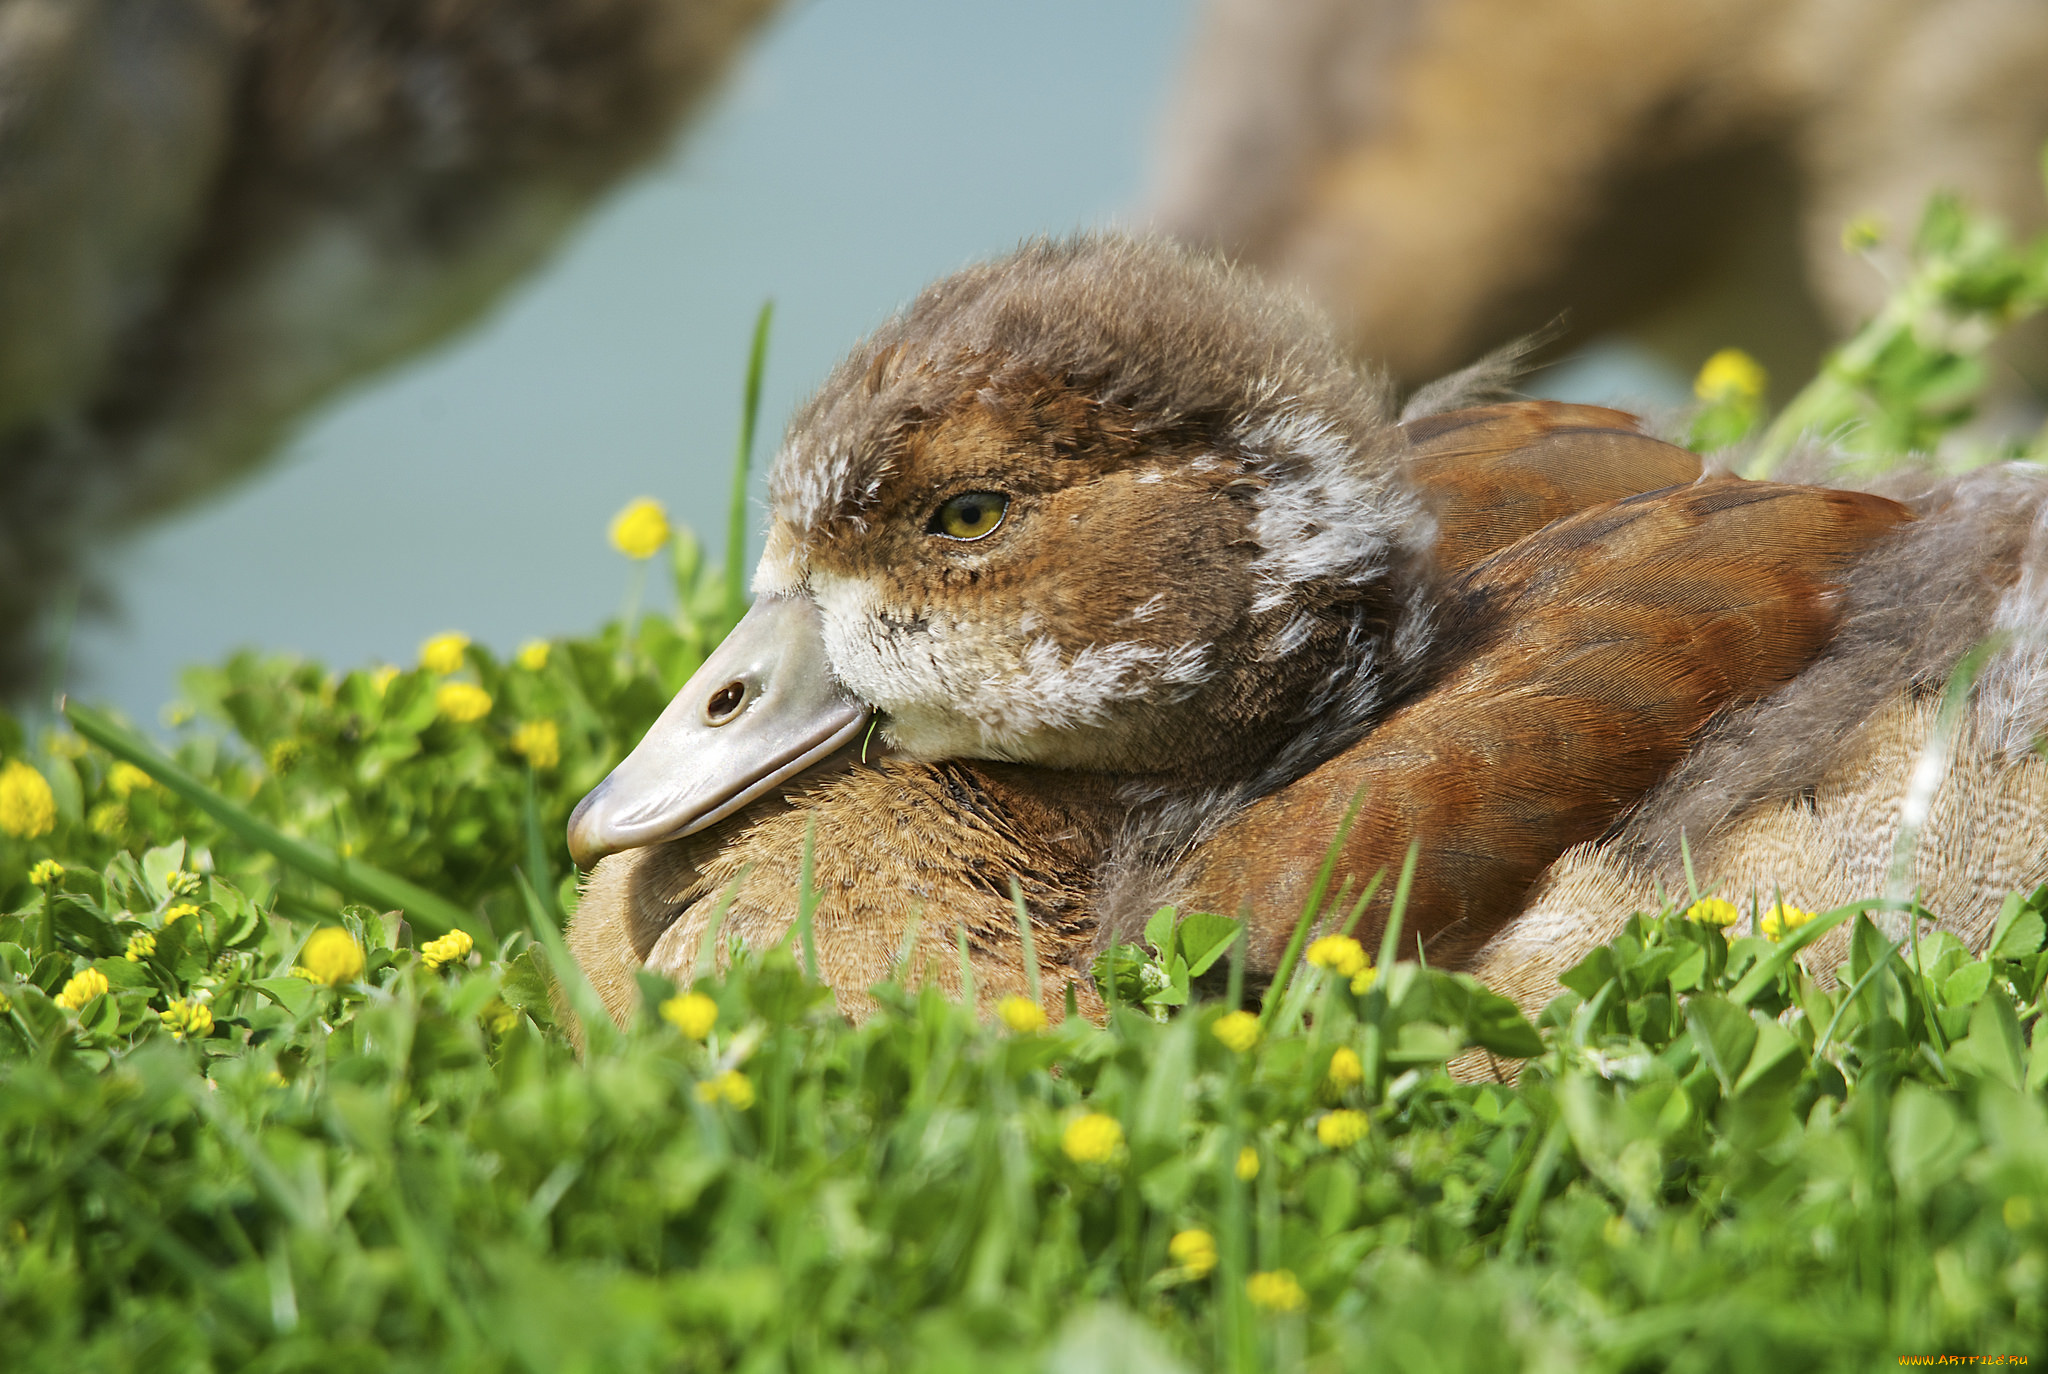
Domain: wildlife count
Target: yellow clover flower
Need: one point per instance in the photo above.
(1092, 1139)
(193, 1021)
(731, 1086)
(1340, 1130)
(533, 655)
(183, 883)
(1713, 911)
(125, 778)
(1021, 1014)
(179, 913)
(640, 529)
(27, 806)
(539, 742)
(1248, 1163)
(693, 1014)
(443, 653)
(45, 872)
(380, 678)
(141, 945)
(1346, 1069)
(1193, 1250)
(331, 956)
(108, 819)
(1276, 1290)
(1730, 377)
(1782, 919)
(462, 702)
(451, 948)
(1340, 954)
(82, 987)
(1362, 984)
(1239, 1030)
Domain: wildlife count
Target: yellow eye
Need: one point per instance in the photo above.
(970, 515)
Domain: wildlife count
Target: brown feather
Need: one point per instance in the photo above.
(1592, 654)
(1493, 474)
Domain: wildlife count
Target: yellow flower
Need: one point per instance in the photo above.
(640, 529)
(533, 655)
(124, 778)
(193, 1020)
(1362, 984)
(462, 702)
(380, 678)
(1730, 377)
(1021, 1014)
(443, 653)
(1782, 919)
(82, 988)
(1713, 911)
(1248, 1163)
(6, 1004)
(1276, 1290)
(108, 819)
(539, 742)
(731, 1086)
(331, 955)
(27, 806)
(273, 1078)
(1340, 1130)
(500, 1016)
(1092, 1139)
(1340, 954)
(178, 913)
(693, 1014)
(1346, 1069)
(140, 946)
(451, 948)
(183, 883)
(1194, 1251)
(45, 872)
(282, 754)
(1237, 1029)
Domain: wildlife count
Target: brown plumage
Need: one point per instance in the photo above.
(1586, 660)
(1134, 574)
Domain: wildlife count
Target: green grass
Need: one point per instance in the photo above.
(1708, 1162)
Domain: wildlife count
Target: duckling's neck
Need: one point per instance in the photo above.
(1069, 816)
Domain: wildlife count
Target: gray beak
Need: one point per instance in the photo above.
(762, 709)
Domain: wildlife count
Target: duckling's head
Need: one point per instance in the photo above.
(1105, 504)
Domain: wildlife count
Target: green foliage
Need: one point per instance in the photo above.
(225, 1145)
(1913, 374)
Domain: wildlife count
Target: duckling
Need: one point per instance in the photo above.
(1110, 544)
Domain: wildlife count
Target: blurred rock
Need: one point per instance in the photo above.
(1447, 174)
(215, 213)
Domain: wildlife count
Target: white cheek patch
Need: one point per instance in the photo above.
(955, 688)
(1323, 514)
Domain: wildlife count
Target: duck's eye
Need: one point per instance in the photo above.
(970, 515)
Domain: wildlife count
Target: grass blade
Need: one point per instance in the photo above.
(743, 461)
(1024, 934)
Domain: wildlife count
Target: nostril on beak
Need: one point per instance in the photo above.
(725, 703)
